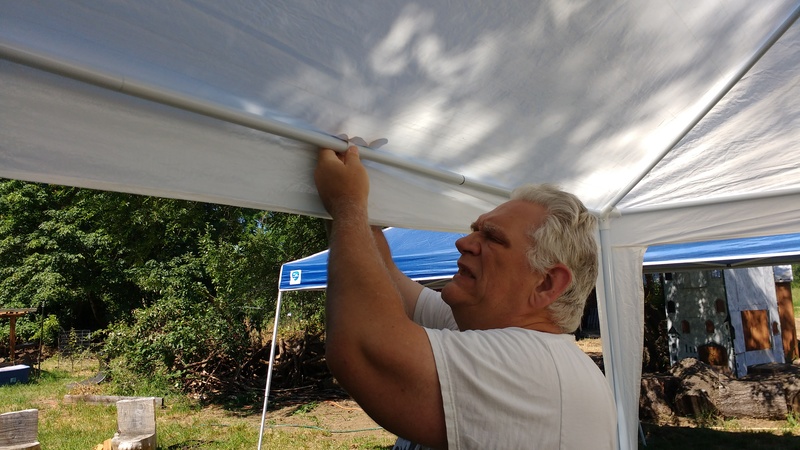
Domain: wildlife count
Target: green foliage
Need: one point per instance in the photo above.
(176, 286)
(47, 332)
(793, 420)
(305, 408)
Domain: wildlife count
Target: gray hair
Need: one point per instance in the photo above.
(566, 236)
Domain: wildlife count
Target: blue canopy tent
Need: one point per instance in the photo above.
(729, 253)
(425, 256)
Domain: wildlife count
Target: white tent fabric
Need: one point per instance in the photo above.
(173, 98)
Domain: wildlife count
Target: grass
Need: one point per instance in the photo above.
(185, 425)
(796, 298)
(717, 438)
(181, 425)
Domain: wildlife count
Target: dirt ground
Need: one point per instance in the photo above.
(340, 417)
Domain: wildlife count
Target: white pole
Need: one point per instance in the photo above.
(126, 85)
(712, 201)
(271, 363)
(769, 41)
(610, 333)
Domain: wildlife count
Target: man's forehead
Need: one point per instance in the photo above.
(529, 212)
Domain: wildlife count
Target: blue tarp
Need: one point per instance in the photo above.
(422, 255)
(432, 255)
(745, 252)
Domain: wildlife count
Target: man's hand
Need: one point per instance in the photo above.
(342, 181)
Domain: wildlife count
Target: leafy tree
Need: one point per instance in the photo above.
(176, 285)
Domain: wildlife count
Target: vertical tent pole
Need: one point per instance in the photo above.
(271, 364)
(610, 334)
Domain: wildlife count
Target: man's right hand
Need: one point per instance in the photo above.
(342, 181)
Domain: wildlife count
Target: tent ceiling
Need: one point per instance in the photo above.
(582, 94)
(586, 94)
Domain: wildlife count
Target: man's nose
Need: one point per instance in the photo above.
(468, 244)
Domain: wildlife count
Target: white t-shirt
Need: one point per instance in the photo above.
(514, 388)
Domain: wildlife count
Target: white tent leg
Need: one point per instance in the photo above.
(610, 334)
(271, 363)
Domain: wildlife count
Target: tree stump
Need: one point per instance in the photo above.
(704, 390)
(656, 397)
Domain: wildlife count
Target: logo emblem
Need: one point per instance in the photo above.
(294, 277)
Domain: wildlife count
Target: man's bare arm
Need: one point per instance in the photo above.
(380, 357)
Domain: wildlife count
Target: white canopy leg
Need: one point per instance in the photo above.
(271, 364)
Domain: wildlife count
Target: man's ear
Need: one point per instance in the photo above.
(554, 282)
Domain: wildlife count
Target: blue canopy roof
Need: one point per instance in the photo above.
(428, 256)
(746, 252)
(424, 256)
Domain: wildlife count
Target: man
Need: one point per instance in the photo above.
(490, 364)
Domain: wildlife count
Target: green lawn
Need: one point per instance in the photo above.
(796, 299)
(181, 424)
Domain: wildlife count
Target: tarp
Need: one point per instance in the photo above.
(727, 253)
(431, 256)
(424, 256)
(674, 120)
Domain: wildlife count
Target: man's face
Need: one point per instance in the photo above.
(494, 280)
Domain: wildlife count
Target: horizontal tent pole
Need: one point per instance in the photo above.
(709, 201)
(125, 85)
(723, 91)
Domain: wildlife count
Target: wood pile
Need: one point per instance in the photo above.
(300, 371)
(692, 388)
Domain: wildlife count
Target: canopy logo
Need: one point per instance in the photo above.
(294, 277)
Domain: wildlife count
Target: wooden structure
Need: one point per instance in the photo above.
(12, 314)
(783, 291)
(747, 311)
(136, 425)
(19, 430)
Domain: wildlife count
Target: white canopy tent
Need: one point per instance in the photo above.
(673, 120)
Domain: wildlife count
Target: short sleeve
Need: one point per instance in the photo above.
(432, 312)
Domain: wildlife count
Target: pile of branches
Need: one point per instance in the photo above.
(300, 370)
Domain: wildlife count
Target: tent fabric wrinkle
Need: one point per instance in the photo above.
(595, 97)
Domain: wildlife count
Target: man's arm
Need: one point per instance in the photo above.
(380, 357)
(408, 288)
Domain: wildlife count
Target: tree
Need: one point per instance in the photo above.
(173, 283)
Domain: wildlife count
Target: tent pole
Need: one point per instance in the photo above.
(126, 85)
(712, 201)
(271, 364)
(610, 333)
(771, 39)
